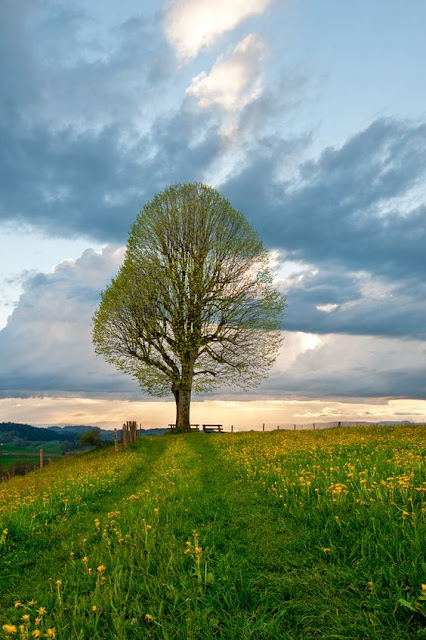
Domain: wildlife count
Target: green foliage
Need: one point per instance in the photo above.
(92, 438)
(194, 306)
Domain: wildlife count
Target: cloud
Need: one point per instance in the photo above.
(348, 366)
(46, 345)
(193, 24)
(323, 300)
(62, 67)
(332, 212)
(233, 82)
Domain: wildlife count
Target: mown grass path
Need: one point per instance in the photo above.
(184, 548)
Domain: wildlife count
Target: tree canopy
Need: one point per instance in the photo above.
(193, 306)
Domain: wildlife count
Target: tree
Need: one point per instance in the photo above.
(92, 437)
(193, 306)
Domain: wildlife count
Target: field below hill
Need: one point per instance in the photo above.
(18, 459)
(282, 535)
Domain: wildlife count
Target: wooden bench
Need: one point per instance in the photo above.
(193, 427)
(211, 428)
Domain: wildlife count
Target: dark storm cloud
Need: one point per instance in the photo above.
(65, 182)
(89, 184)
(355, 303)
(334, 213)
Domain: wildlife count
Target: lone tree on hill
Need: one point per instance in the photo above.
(193, 306)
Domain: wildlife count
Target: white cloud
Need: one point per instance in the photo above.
(232, 82)
(193, 24)
(327, 308)
(334, 365)
(46, 345)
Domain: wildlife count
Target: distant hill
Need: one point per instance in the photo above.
(107, 435)
(76, 431)
(10, 431)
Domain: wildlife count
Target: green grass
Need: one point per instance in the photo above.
(220, 536)
(50, 447)
(12, 460)
(23, 458)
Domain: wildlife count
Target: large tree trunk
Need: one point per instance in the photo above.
(183, 404)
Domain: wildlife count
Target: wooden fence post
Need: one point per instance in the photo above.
(115, 440)
(124, 436)
(314, 426)
(294, 427)
(232, 428)
(278, 427)
(263, 427)
(41, 458)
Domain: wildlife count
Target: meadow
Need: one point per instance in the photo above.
(19, 459)
(286, 535)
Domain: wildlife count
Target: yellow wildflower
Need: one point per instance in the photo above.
(94, 608)
(5, 532)
(36, 633)
(26, 617)
(101, 569)
(148, 617)
(9, 628)
(326, 549)
(41, 611)
(423, 587)
(51, 633)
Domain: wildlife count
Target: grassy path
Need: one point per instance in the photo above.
(184, 549)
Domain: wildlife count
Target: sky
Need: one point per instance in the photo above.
(309, 116)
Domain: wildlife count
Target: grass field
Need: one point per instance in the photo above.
(259, 535)
(19, 459)
(11, 461)
(50, 447)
